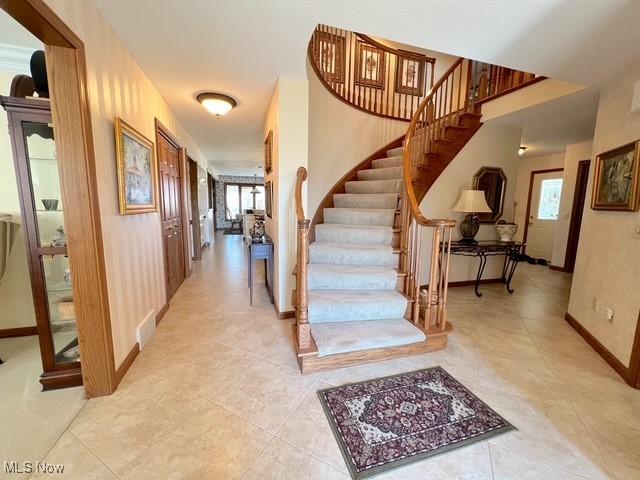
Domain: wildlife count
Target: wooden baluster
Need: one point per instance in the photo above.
(302, 294)
(349, 59)
(416, 304)
(445, 267)
(431, 291)
(302, 308)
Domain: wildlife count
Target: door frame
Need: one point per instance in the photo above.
(163, 131)
(528, 212)
(194, 207)
(575, 224)
(67, 74)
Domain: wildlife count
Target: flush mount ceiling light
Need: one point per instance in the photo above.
(217, 104)
(521, 150)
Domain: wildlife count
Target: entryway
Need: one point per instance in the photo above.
(543, 208)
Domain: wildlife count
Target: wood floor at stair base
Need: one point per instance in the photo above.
(313, 363)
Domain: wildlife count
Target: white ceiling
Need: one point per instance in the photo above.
(241, 47)
(549, 127)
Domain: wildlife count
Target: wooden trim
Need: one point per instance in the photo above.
(62, 379)
(556, 268)
(630, 375)
(510, 90)
(18, 332)
(339, 187)
(122, 370)
(528, 212)
(194, 207)
(633, 372)
(67, 72)
(467, 283)
(577, 212)
(285, 315)
(161, 313)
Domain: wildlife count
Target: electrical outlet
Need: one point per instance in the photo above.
(607, 313)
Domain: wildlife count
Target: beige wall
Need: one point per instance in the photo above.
(133, 248)
(288, 117)
(573, 155)
(526, 166)
(16, 302)
(607, 272)
(490, 147)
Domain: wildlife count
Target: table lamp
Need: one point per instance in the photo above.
(471, 202)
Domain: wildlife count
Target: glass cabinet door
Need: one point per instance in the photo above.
(50, 240)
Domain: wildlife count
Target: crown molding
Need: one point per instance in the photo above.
(15, 59)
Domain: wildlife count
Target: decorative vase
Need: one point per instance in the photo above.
(506, 231)
(257, 231)
(469, 228)
(50, 203)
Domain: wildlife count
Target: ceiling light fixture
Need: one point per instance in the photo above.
(521, 150)
(217, 104)
(255, 190)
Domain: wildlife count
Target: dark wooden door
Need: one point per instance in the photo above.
(171, 211)
(195, 211)
(577, 210)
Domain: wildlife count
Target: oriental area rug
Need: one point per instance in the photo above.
(389, 422)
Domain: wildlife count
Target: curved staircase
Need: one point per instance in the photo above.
(358, 296)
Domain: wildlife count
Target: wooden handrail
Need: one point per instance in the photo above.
(303, 330)
(301, 176)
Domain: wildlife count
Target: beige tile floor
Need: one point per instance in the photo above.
(217, 393)
(31, 421)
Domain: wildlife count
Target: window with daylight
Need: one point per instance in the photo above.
(238, 198)
(549, 206)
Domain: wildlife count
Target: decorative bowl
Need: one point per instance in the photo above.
(506, 231)
(50, 203)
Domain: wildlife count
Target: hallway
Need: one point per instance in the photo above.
(217, 393)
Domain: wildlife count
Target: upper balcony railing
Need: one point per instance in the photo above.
(369, 75)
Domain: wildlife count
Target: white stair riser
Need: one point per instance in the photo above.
(394, 152)
(348, 234)
(347, 216)
(350, 278)
(374, 186)
(364, 200)
(387, 162)
(332, 309)
(352, 255)
(389, 173)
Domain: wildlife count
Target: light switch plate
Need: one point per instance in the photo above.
(636, 232)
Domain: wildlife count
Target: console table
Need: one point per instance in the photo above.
(491, 248)
(256, 251)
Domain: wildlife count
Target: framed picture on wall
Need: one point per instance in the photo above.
(370, 66)
(268, 152)
(268, 198)
(330, 55)
(617, 179)
(137, 171)
(410, 74)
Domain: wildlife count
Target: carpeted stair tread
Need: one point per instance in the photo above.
(360, 216)
(352, 254)
(322, 276)
(355, 305)
(387, 162)
(385, 173)
(394, 152)
(374, 186)
(366, 200)
(342, 337)
(367, 234)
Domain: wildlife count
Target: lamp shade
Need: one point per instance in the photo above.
(472, 201)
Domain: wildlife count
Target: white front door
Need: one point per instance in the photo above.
(543, 214)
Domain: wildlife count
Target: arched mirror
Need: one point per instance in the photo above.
(493, 182)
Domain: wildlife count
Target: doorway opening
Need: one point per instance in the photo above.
(171, 158)
(543, 209)
(579, 197)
